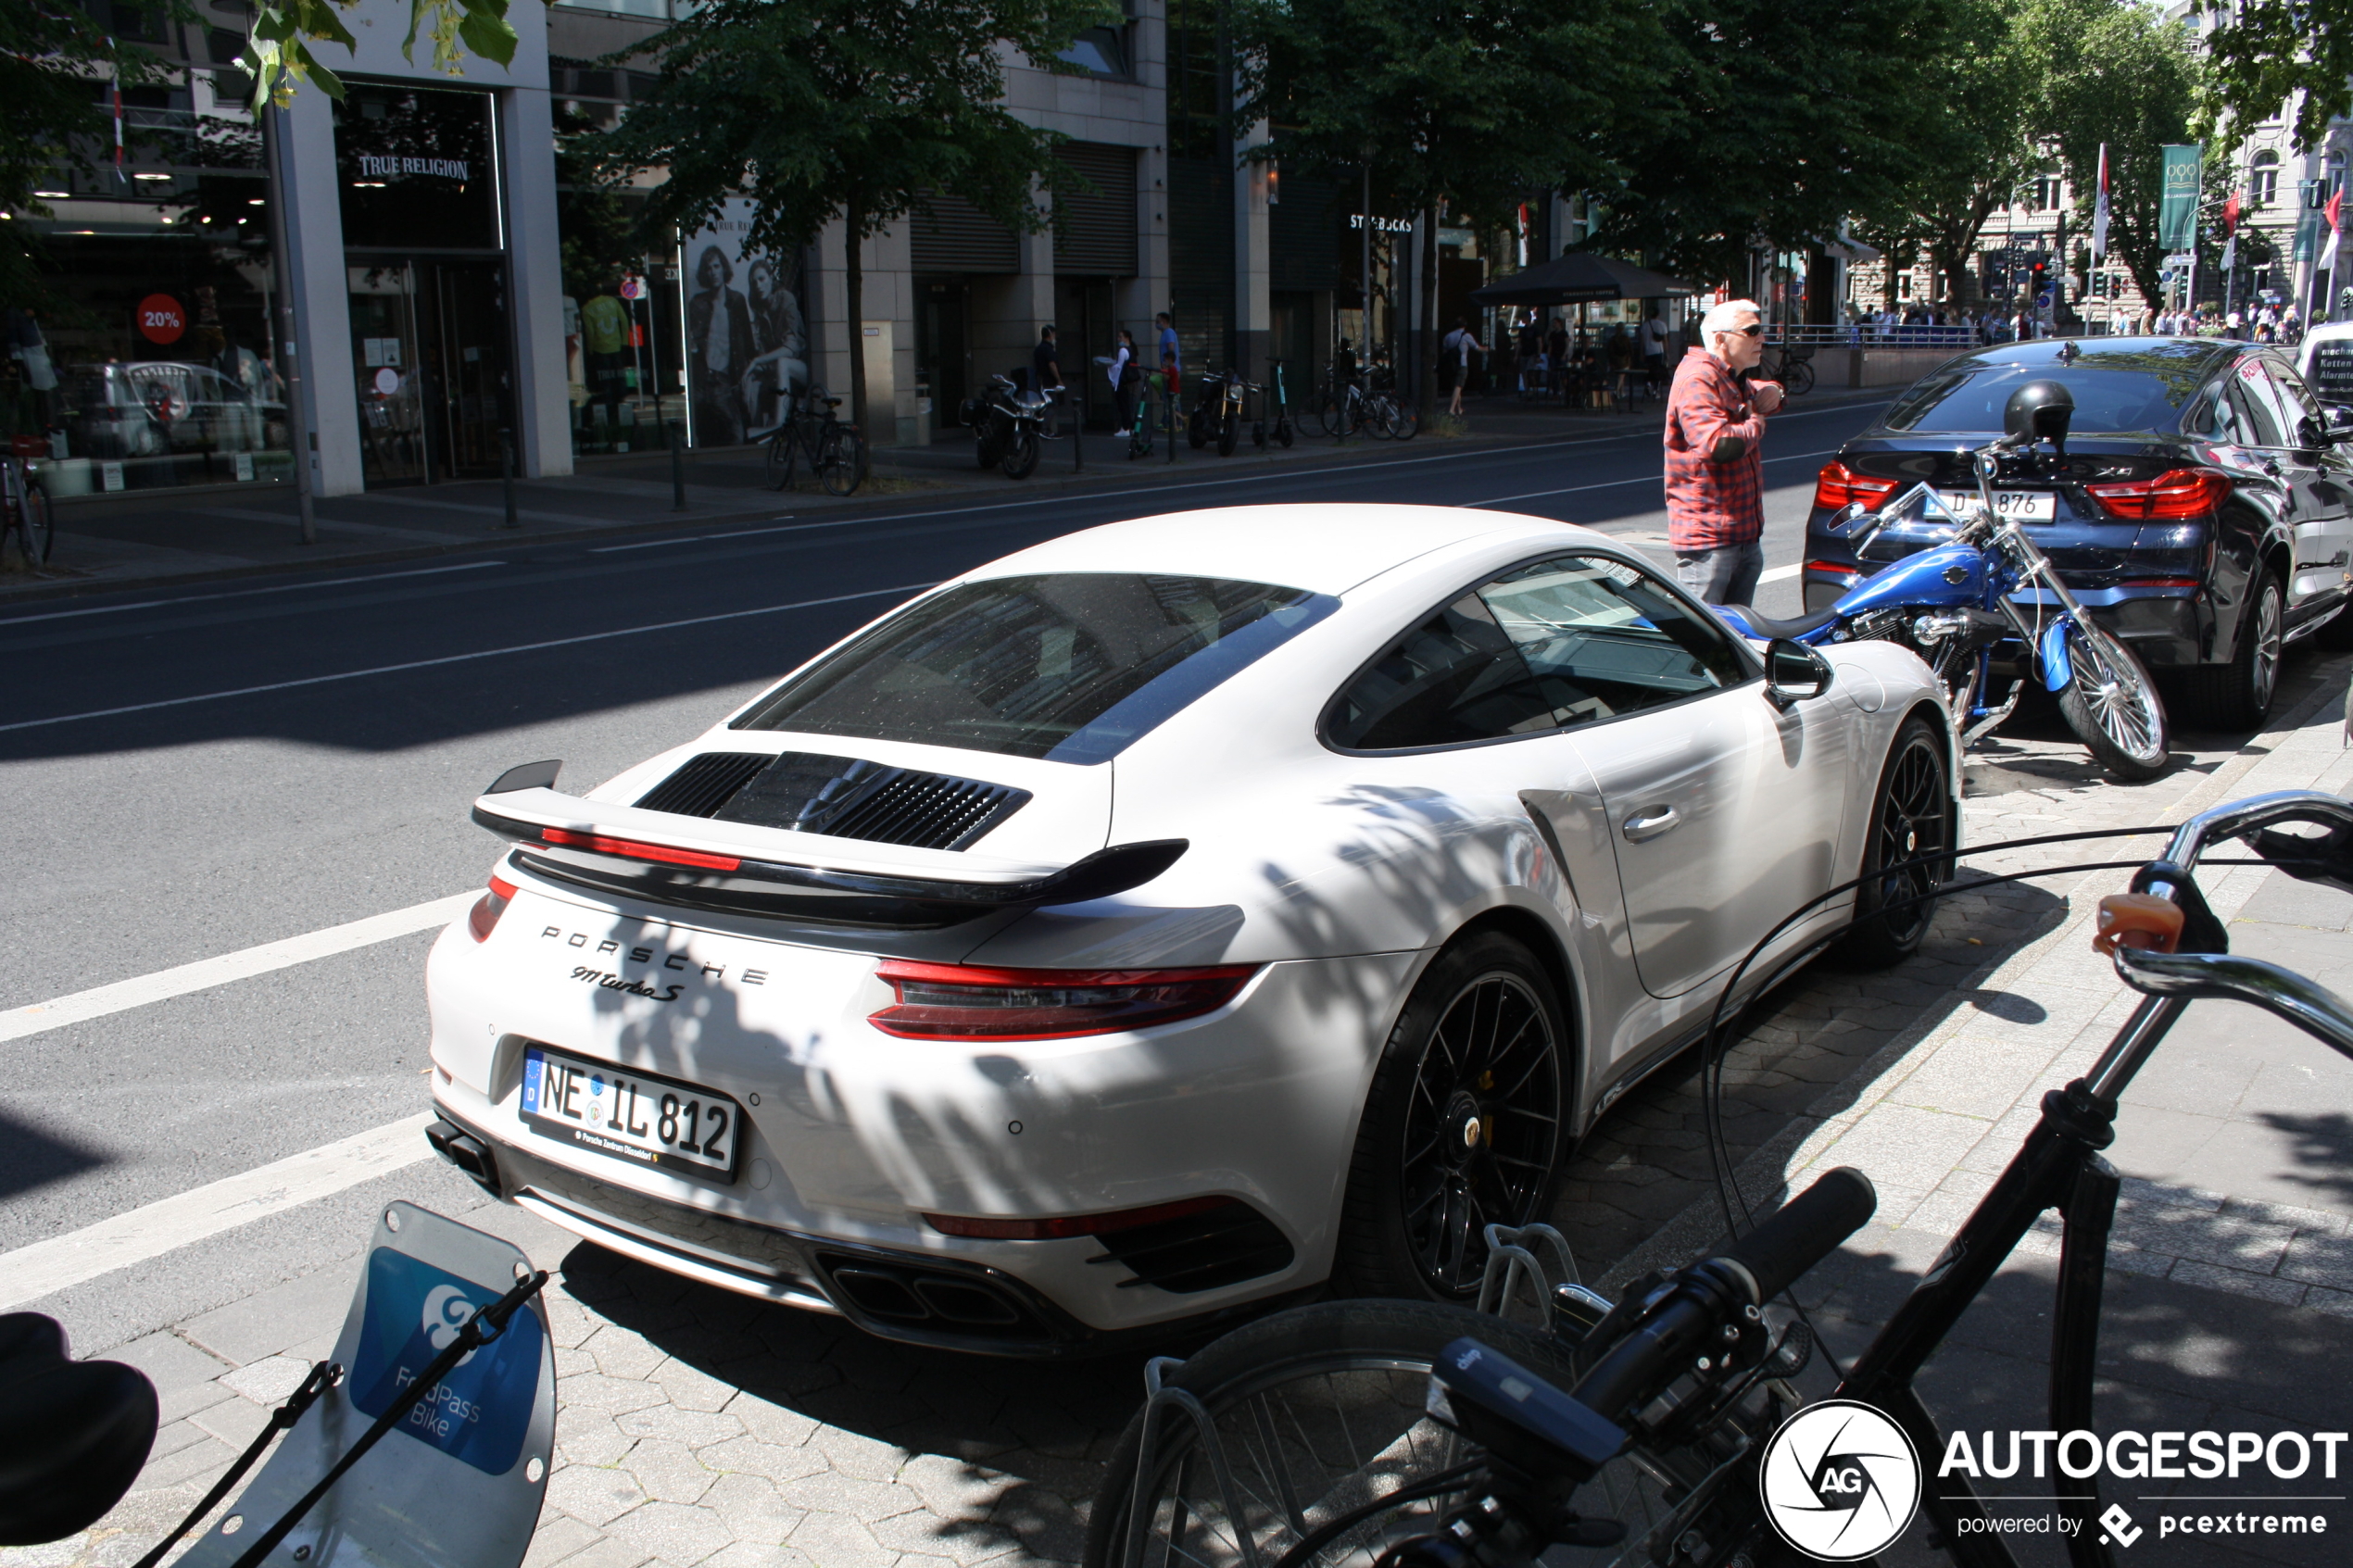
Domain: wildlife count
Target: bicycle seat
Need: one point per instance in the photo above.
(1766, 626)
(73, 1435)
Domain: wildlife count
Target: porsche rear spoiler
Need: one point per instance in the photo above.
(737, 868)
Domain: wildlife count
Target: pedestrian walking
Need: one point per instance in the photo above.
(1046, 373)
(1454, 352)
(1127, 379)
(1171, 361)
(1654, 348)
(1715, 456)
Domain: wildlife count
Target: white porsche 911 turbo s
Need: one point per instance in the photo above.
(1176, 915)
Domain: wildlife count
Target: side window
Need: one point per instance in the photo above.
(1603, 638)
(1454, 678)
(2299, 411)
(2215, 418)
(2259, 415)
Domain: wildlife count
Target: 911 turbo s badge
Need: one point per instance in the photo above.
(611, 981)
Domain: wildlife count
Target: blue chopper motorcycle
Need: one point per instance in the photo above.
(1984, 608)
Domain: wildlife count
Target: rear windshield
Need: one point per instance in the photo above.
(2143, 389)
(1073, 667)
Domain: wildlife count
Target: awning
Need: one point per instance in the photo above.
(1577, 276)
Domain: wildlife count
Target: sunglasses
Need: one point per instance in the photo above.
(1755, 329)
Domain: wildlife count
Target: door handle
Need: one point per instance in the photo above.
(1649, 822)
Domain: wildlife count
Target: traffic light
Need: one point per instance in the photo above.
(2038, 278)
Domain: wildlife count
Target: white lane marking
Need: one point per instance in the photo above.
(146, 1233)
(457, 657)
(1779, 574)
(647, 544)
(138, 991)
(1638, 479)
(241, 593)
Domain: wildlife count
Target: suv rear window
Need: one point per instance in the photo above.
(2143, 389)
(1073, 667)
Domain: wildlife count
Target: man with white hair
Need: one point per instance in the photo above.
(1715, 459)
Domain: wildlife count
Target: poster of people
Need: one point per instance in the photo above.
(747, 343)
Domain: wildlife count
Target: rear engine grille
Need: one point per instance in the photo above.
(1199, 1251)
(706, 782)
(837, 796)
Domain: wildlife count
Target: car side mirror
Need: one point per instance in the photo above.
(1794, 672)
(2337, 425)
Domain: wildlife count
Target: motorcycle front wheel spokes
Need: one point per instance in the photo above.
(2112, 705)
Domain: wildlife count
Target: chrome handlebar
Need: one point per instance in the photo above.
(2283, 993)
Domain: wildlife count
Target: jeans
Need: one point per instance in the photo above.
(1726, 575)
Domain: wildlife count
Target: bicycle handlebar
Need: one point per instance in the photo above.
(2283, 993)
(1805, 1231)
(2236, 819)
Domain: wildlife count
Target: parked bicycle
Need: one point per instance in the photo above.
(814, 433)
(1791, 364)
(1340, 400)
(1420, 1436)
(28, 518)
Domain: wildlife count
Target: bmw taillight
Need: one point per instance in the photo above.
(1840, 485)
(483, 919)
(2181, 493)
(940, 1001)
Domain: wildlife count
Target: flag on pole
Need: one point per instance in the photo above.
(2334, 213)
(2099, 211)
(2232, 206)
(116, 92)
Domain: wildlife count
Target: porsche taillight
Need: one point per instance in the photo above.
(2180, 493)
(1839, 485)
(483, 919)
(939, 1001)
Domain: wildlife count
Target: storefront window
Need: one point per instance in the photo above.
(152, 360)
(621, 344)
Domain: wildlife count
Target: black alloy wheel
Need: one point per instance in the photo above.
(1911, 820)
(2238, 696)
(1466, 1126)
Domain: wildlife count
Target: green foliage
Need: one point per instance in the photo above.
(1472, 105)
(1771, 122)
(2117, 74)
(818, 109)
(52, 57)
(2267, 51)
(1986, 84)
(278, 48)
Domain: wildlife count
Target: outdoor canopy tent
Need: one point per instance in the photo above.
(1577, 277)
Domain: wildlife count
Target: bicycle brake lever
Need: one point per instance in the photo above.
(2201, 933)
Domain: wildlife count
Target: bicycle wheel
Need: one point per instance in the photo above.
(1797, 377)
(841, 467)
(1329, 415)
(1319, 1413)
(783, 453)
(1408, 422)
(1380, 412)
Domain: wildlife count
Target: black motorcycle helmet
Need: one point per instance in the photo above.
(2041, 410)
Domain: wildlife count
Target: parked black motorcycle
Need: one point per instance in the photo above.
(1008, 427)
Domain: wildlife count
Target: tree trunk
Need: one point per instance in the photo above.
(853, 299)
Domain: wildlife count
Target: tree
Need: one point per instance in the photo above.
(1468, 106)
(856, 109)
(2266, 52)
(278, 54)
(2119, 75)
(1777, 120)
(1984, 148)
(49, 53)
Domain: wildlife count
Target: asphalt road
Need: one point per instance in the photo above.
(192, 773)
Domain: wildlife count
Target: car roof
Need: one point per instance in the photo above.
(2086, 351)
(1324, 547)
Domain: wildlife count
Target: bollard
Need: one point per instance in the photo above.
(677, 467)
(1078, 434)
(507, 474)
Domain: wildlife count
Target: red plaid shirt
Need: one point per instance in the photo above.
(1709, 503)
